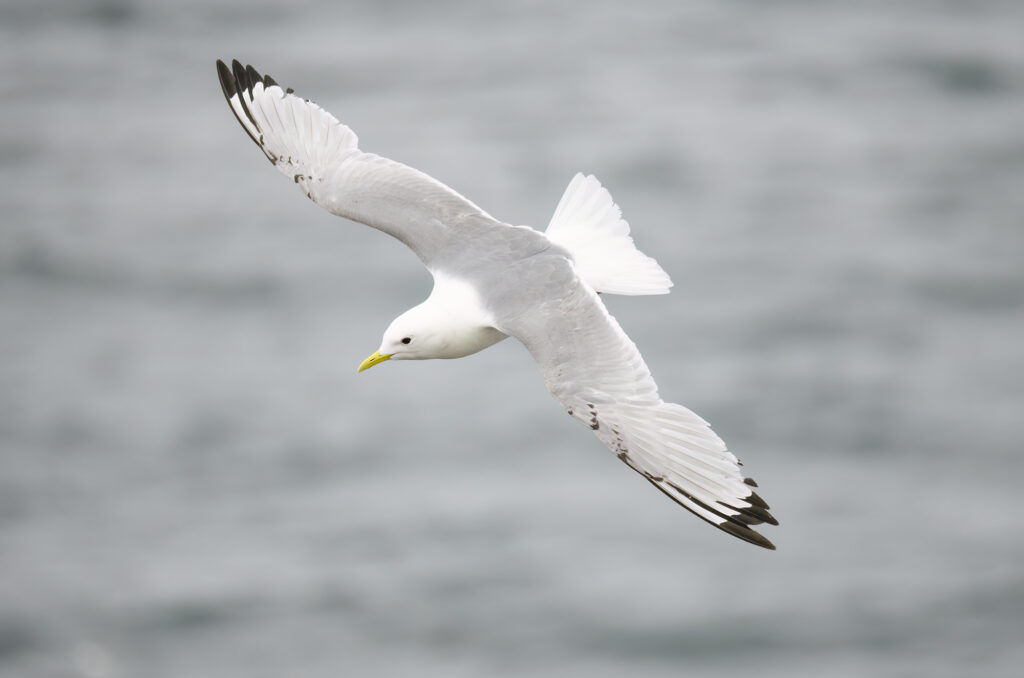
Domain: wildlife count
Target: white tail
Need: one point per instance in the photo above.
(589, 224)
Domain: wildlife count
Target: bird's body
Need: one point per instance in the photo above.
(493, 280)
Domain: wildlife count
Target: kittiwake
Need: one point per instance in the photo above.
(493, 281)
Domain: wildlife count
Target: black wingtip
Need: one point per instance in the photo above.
(755, 515)
(238, 70)
(746, 534)
(244, 84)
(238, 78)
(253, 75)
(737, 524)
(233, 81)
(756, 500)
(227, 81)
(758, 511)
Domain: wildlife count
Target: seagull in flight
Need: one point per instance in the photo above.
(493, 280)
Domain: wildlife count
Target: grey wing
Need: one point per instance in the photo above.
(597, 374)
(310, 146)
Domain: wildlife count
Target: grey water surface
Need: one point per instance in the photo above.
(195, 482)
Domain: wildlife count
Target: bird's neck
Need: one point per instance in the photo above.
(462, 325)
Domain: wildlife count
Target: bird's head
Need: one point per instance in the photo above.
(414, 335)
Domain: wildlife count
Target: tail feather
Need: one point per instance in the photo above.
(589, 224)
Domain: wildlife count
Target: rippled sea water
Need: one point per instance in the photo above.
(195, 482)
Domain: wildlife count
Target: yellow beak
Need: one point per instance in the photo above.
(373, 360)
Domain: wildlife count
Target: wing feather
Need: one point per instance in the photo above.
(597, 374)
(311, 147)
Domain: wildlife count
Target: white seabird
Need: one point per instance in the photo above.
(493, 281)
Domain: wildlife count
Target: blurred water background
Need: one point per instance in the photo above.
(195, 482)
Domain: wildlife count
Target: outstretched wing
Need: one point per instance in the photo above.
(596, 372)
(322, 156)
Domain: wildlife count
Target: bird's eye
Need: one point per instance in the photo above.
(406, 340)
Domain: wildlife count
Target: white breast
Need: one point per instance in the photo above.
(467, 326)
